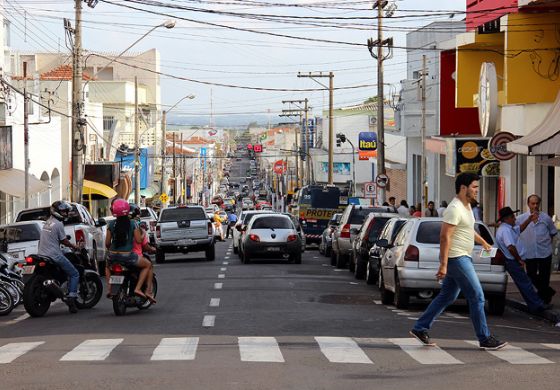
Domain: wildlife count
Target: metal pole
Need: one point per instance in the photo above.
(380, 102)
(174, 173)
(353, 167)
(297, 159)
(26, 135)
(423, 162)
(306, 149)
(331, 127)
(136, 146)
(77, 104)
(163, 186)
(182, 169)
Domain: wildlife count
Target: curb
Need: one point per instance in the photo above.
(549, 315)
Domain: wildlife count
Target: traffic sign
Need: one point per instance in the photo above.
(280, 167)
(164, 198)
(258, 148)
(370, 189)
(382, 180)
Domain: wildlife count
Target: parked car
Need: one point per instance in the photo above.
(271, 236)
(184, 229)
(389, 232)
(299, 229)
(368, 235)
(242, 221)
(351, 221)
(20, 239)
(80, 226)
(325, 247)
(410, 263)
(148, 215)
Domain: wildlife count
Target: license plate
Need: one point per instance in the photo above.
(273, 249)
(28, 269)
(116, 279)
(185, 242)
(17, 255)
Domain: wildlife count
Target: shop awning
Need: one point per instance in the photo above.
(12, 182)
(544, 139)
(98, 190)
(149, 192)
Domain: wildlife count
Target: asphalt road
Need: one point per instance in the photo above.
(267, 325)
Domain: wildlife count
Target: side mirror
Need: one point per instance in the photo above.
(383, 243)
(354, 231)
(101, 222)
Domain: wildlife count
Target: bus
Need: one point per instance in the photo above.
(314, 205)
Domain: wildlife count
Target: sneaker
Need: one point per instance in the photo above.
(423, 337)
(492, 344)
(71, 302)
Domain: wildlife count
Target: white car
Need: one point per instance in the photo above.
(20, 239)
(243, 219)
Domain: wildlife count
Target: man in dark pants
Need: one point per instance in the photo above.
(536, 240)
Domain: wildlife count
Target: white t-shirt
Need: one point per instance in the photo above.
(462, 241)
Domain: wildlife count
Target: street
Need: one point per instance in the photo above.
(267, 325)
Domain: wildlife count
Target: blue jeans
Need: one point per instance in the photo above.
(525, 286)
(72, 273)
(460, 277)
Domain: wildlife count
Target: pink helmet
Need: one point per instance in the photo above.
(120, 208)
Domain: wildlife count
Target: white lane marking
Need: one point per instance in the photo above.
(176, 348)
(553, 346)
(315, 257)
(515, 355)
(223, 269)
(260, 349)
(342, 350)
(225, 263)
(227, 257)
(221, 276)
(214, 302)
(218, 286)
(96, 349)
(10, 352)
(377, 302)
(338, 270)
(208, 321)
(423, 354)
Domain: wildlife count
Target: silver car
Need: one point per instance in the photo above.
(271, 236)
(242, 221)
(409, 265)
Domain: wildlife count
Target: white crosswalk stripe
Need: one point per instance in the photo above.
(97, 349)
(515, 355)
(423, 354)
(553, 346)
(342, 350)
(260, 349)
(176, 348)
(10, 352)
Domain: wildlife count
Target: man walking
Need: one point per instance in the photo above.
(537, 245)
(456, 269)
(231, 221)
(507, 239)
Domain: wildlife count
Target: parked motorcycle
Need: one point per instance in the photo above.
(48, 282)
(11, 283)
(123, 281)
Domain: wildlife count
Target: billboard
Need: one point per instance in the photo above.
(126, 160)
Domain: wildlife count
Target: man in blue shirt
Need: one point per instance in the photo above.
(507, 238)
(536, 240)
(232, 220)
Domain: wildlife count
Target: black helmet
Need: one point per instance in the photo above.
(60, 210)
(134, 211)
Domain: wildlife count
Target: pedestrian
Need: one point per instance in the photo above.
(403, 209)
(431, 211)
(392, 201)
(442, 207)
(537, 245)
(417, 211)
(456, 271)
(232, 220)
(411, 210)
(507, 238)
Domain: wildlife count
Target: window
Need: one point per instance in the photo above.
(109, 123)
(484, 233)
(272, 222)
(21, 233)
(375, 228)
(358, 216)
(416, 75)
(429, 232)
(5, 147)
(182, 214)
(401, 236)
(396, 229)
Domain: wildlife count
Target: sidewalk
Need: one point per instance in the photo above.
(515, 300)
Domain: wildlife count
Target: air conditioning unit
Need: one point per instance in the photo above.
(372, 120)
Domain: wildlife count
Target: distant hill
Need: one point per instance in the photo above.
(223, 121)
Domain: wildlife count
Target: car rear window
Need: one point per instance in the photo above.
(21, 233)
(145, 213)
(182, 214)
(273, 222)
(428, 232)
(44, 213)
(377, 226)
(358, 216)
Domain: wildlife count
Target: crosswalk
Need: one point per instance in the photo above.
(331, 350)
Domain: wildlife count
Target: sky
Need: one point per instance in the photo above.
(199, 49)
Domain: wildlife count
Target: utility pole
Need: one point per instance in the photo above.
(379, 44)
(77, 105)
(26, 134)
(304, 136)
(136, 145)
(182, 169)
(330, 75)
(306, 150)
(423, 162)
(163, 186)
(174, 173)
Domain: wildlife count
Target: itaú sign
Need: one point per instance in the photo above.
(367, 141)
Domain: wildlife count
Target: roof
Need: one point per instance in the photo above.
(63, 72)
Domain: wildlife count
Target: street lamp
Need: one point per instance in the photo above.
(341, 138)
(162, 188)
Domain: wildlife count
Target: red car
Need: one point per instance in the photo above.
(260, 205)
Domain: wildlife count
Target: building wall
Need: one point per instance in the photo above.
(398, 187)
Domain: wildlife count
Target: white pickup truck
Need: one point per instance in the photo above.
(80, 226)
(184, 229)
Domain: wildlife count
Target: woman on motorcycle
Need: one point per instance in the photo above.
(144, 246)
(121, 234)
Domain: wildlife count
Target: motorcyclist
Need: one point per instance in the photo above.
(52, 236)
(143, 247)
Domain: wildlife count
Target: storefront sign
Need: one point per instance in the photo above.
(367, 141)
(488, 99)
(473, 156)
(364, 156)
(498, 148)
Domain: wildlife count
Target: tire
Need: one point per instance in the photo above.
(333, 257)
(328, 251)
(6, 302)
(160, 256)
(13, 291)
(497, 305)
(246, 259)
(322, 248)
(146, 304)
(360, 269)
(296, 258)
(119, 300)
(351, 264)
(235, 250)
(387, 296)
(95, 287)
(340, 261)
(371, 275)
(402, 299)
(35, 299)
(211, 253)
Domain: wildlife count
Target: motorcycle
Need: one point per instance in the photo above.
(48, 282)
(10, 277)
(123, 281)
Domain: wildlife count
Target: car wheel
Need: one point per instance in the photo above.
(322, 248)
(235, 250)
(402, 298)
(359, 269)
(497, 305)
(386, 295)
(371, 275)
(340, 261)
(351, 263)
(160, 256)
(296, 258)
(246, 259)
(211, 253)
